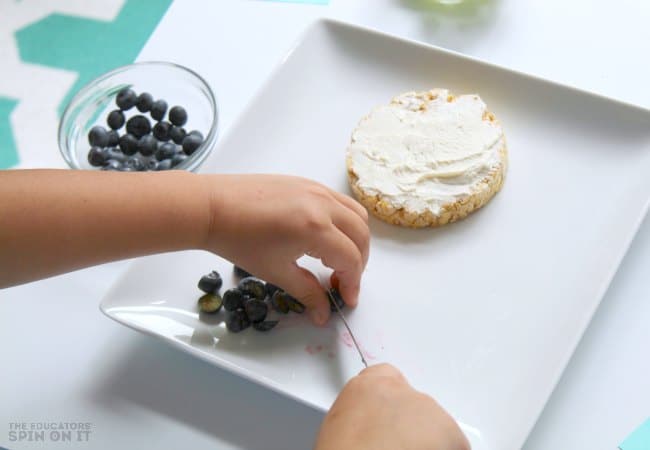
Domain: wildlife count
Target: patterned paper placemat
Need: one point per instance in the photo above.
(50, 50)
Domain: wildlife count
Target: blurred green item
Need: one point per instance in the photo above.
(456, 7)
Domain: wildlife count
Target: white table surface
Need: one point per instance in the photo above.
(63, 361)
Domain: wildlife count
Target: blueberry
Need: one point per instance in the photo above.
(98, 136)
(334, 294)
(158, 109)
(138, 126)
(294, 305)
(211, 282)
(279, 302)
(125, 99)
(210, 303)
(256, 310)
(152, 164)
(129, 144)
(126, 169)
(147, 145)
(253, 287)
(165, 151)
(115, 119)
(161, 131)
(178, 159)
(97, 156)
(112, 164)
(135, 163)
(116, 154)
(192, 141)
(144, 102)
(237, 321)
(240, 273)
(178, 116)
(266, 325)
(177, 134)
(165, 164)
(233, 299)
(113, 138)
(270, 289)
(284, 302)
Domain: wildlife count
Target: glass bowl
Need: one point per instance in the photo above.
(175, 84)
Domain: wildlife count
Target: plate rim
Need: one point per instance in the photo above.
(214, 360)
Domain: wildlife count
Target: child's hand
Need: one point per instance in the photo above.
(264, 223)
(379, 409)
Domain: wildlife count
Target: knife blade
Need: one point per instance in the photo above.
(345, 322)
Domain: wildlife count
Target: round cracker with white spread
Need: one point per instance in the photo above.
(427, 159)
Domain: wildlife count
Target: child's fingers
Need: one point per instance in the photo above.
(355, 228)
(334, 280)
(352, 204)
(303, 285)
(383, 370)
(337, 251)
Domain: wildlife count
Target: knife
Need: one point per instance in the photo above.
(345, 322)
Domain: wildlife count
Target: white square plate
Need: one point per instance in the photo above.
(482, 314)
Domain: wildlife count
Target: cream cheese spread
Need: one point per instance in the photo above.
(425, 150)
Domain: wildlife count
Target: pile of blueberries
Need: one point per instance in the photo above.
(248, 303)
(162, 146)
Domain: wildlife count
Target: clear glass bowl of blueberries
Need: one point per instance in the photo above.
(147, 116)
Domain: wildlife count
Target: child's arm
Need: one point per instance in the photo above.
(53, 221)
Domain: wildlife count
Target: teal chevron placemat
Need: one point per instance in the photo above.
(80, 42)
(639, 439)
(315, 2)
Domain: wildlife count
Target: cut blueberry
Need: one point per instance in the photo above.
(240, 273)
(211, 282)
(177, 134)
(161, 131)
(115, 119)
(147, 145)
(210, 303)
(256, 310)
(233, 299)
(178, 116)
(158, 109)
(98, 136)
(294, 305)
(280, 302)
(284, 302)
(271, 288)
(334, 294)
(253, 287)
(165, 151)
(192, 141)
(112, 164)
(125, 99)
(266, 325)
(165, 164)
(237, 321)
(97, 156)
(135, 163)
(129, 144)
(144, 102)
(138, 126)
